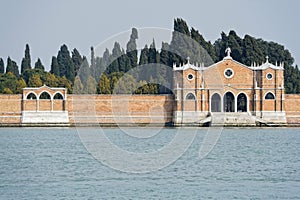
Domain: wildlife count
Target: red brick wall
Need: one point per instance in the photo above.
(120, 108)
(10, 109)
(292, 108)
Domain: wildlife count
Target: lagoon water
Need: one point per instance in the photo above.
(246, 163)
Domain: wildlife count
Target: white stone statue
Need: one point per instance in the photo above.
(228, 51)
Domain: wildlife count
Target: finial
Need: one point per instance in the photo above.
(267, 59)
(188, 60)
(228, 51)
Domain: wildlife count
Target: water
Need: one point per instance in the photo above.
(52, 163)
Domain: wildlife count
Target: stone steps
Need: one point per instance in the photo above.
(232, 119)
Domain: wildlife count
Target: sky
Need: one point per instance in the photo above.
(46, 25)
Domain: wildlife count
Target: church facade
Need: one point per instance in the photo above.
(229, 93)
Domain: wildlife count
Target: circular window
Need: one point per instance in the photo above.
(190, 77)
(228, 73)
(269, 76)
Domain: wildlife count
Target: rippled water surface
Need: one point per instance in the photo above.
(52, 163)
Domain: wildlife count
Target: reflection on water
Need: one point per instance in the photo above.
(49, 163)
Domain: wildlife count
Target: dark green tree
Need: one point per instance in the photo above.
(26, 61)
(204, 44)
(116, 53)
(38, 65)
(8, 81)
(165, 54)
(54, 66)
(77, 60)
(12, 67)
(93, 63)
(153, 56)
(183, 46)
(131, 50)
(181, 26)
(84, 71)
(66, 66)
(1, 66)
(99, 67)
(144, 56)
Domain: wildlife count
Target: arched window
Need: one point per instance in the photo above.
(216, 103)
(229, 102)
(269, 95)
(45, 95)
(58, 96)
(242, 103)
(190, 96)
(31, 96)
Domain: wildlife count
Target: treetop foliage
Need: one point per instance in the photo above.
(108, 73)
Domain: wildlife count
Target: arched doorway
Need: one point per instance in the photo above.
(229, 102)
(216, 103)
(242, 103)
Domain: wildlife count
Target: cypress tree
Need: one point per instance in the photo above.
(26, 61)
(116, 59)
(1, 66)
(66, 66)
(12, 67)
(93, 63)
(205, 45)
(54, 66)
(144, 56)
(131, 50)
(181, 26)
(164, 54)
(84, 71)
(153, 54)
(77, 60)
(38, 65)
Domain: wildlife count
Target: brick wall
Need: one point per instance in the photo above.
(292, 108)
(10, 109)
(120, 109)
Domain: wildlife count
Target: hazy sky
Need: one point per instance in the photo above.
(46, 25)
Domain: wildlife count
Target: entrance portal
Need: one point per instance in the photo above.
(229, 102)
(216, 103)
(242, 103)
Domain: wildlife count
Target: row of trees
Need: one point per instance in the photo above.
(122, 71)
